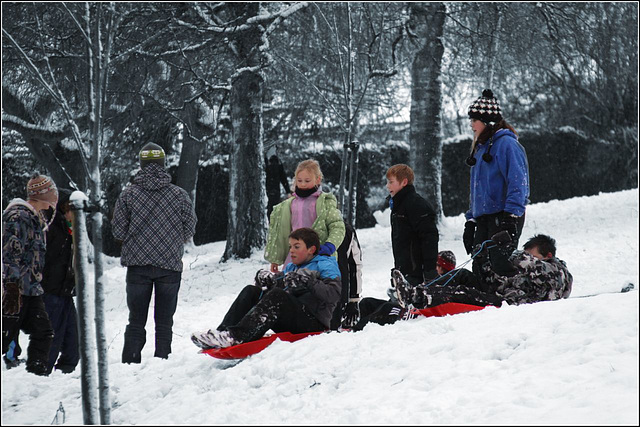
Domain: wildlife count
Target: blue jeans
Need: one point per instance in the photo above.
(64, 320)
(141, 281)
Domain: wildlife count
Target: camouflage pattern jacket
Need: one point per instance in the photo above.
(153, 218)
(23, 247)
(536, 280)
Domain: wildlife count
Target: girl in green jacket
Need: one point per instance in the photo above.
(307, 207)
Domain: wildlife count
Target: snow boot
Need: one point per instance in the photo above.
(213, 339)
(404, 290)
(37, 367)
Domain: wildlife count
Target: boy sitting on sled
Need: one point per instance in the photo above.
(531, 275)
(300, 299)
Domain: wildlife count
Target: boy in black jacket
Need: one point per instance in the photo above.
(414, 234)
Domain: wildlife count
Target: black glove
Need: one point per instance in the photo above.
(469, 235)
(351, 315)
(11, 299)
(500, 263)
(509, 223)
(501, 238)
(267, 280)
(297, 284)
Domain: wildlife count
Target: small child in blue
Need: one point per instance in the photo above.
(300, 299)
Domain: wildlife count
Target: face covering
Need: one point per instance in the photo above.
(306, 193)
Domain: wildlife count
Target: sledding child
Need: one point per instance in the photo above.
(300, 299)
(309, 207)
(531, 275)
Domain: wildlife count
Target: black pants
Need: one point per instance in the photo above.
(34, 321)
(377, 311)
(253, 313)
(64, 320)
(460, 294)
(141, 282)
(487, 226)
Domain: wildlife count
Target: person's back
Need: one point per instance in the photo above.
(154, 219)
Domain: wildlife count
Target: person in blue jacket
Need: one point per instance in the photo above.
(300, 299)
(499, 181)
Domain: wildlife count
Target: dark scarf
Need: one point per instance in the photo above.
(306, 193)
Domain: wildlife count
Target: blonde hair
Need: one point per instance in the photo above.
(311, 166)
(400, 172)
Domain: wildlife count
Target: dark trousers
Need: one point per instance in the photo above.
(64, 320)
(460, 294)
(377, 311)
(141, 282)
(253, 313)
(487, 226)
(34, 321)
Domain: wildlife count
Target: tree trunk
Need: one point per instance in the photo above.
(247, 195)
(426, 101)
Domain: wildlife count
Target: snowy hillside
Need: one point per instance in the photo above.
(573, 361)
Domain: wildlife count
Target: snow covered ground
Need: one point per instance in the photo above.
(573, 361)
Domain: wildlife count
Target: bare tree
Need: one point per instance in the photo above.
(426, 29)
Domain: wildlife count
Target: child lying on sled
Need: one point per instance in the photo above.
(300, 299)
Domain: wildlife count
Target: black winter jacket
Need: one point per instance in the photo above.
(414, 236)
(58, 276)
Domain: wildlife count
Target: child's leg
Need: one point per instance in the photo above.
(244, 302)
(279, 311)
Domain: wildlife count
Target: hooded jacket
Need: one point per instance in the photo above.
(325, 287)
(23, 247)
(153, 218)
(328, 224)
(503, 183)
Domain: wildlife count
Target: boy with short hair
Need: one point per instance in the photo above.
(414, 234)
(300, 299)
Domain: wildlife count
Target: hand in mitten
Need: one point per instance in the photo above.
(327, 249)
(296, 283)
(267, 280)
(351, 315)
(11, 299)
(469, 235)
(509, 223)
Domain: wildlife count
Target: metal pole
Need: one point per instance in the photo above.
(86, 344)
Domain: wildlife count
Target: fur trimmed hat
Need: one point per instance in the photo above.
(486, 108)
(42, 188)
(151, 153)
(446, 260)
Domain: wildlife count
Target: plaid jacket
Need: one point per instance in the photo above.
(153, 218)
(23, 247)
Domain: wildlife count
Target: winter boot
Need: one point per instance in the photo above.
(38, 367)
(213, 339)
(404, 290)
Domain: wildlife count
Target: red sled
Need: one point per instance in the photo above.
(449, 308)
(247, 349)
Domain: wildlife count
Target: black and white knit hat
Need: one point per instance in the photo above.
(151, 153)
(486, 108)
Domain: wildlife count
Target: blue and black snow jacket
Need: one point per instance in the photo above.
(503, 183)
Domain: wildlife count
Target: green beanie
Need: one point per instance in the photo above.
(151, 153)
